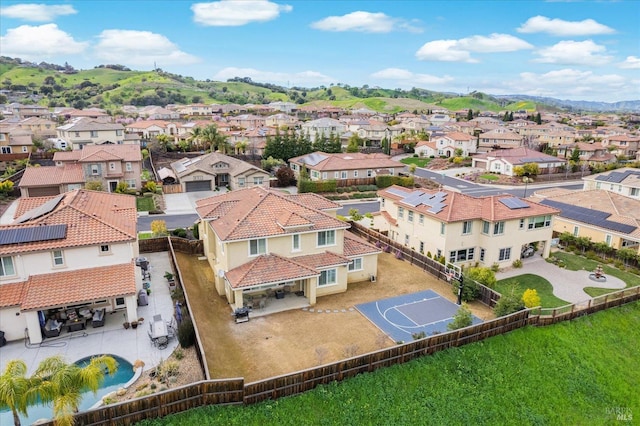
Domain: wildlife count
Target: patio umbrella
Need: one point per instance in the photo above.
(178, 313)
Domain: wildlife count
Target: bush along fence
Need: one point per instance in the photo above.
(235, 391)
(485, 295)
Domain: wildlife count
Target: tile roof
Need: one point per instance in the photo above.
(52, 175)
(322, 260)
(92, 218)
(521, 155)
(459, 207)
(255, 213)
(315, 201)
(347, 161)
(356, 246)
(11, 294)
(100, 153)
(268, 269)
(78, 286)
(205, 163)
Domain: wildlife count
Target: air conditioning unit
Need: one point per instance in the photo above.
(372, 278)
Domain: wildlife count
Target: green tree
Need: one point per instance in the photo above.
(6, 187)
(470, 289)
(412, 168)
(575, 155)
(159, 228)
(121, 187)
(355, 215)
(16, 389)
(509, 303)
(94, 185)
(164, 141)
(538, 119)
(530, 298)
(63, 384)
(216, 140)
(484, 276)
(462, 318)
(470, 114)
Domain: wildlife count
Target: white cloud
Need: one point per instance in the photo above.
(460, 50)
(632, 62)
(233, 13)
(570, 52)
(140, 48)
(365, 22)
(39, 42)
(303, 78)
(559, 27)
(401, 76)
(36, 12)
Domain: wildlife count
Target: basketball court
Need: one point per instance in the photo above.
(402, 316)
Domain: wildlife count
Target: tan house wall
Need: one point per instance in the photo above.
(597, 235)
(11, 315)
(369, 268)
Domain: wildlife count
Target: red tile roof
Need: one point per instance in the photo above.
(100, 153)
(356, 246)
(91, 217)
(78, 286)
(256, 213)
(322, 260)
(268, 269)
(346, 161)
(52, 175)
(11, 294)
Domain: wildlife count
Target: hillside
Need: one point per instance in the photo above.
(111, 86)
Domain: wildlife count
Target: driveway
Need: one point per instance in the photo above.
(185, 202)
(567, 285)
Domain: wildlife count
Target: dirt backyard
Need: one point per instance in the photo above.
(290, 341)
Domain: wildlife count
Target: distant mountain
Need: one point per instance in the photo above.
(592, 106)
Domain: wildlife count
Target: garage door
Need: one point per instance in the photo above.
(198, 185)
(44, 191)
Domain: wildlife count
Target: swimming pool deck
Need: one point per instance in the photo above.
(130, 344)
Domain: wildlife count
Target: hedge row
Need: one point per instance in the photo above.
(387, 180)
(318, 186)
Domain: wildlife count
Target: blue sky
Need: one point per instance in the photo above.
(580, 50)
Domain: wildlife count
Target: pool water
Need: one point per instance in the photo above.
(123, 374)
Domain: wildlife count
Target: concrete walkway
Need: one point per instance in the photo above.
(567, 285)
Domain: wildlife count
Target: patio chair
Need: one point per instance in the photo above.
(162, 342)
(262, 303)
(98, 318)
(52, 328)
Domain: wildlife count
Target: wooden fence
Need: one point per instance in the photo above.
(183, 245)
(174, 188)
(487, 296)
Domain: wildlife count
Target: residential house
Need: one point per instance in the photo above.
(323, 126)
(41, 128)
(285, 107)
(67, 256)
(464, 229)
(625, 181)
(15, 144)
(154, 112)
(92, 114)
(211, 171)
(554, 139)
(500, 138)
(446, 145)
(601, 215)
(150, 129)
(258, 241)
(28, 111)
(504, 161)
(246, 121)
(107, 164)
(281, 120)
(342, 166)
(195, 110)
(623, 145)
(51, 180)
(83, 132)
(589, 153)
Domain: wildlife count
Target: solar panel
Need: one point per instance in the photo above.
(514, 203)
(396, 191)
(313, 158)
(32, 234)
(41, 210)
(617, 177)
(414, 198)
(589, 216)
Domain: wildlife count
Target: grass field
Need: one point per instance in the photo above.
(489, 177)
(145, 204)
(577, 263)
(534, 282)
(418, 161)
(581, 372)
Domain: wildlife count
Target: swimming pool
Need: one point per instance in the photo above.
(120, 378)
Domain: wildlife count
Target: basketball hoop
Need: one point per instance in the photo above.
(449, 276)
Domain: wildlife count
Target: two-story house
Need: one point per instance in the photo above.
(67, 256)
(83, 132)
(323, 127)
(500, 138)
(625, 181)
(446, 145)
(15, 144)
(257, 241)
(504, 161)
(210, 171)
(342, 166)
(464, 229)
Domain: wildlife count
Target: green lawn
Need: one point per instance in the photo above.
(579, 372)
(145, 204)
(418, 161)
(534, 282)
(577, 263)
(145, 235)
(489, 177)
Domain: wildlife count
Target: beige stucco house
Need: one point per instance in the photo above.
(259, 241)
(341, 166)
(625, 181)
(73, 252)
(464, 229)
(85, 131)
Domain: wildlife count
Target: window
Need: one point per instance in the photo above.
(481, 255)
(118, 132)
(25, 149)
(327, 277)
(336, 175)
(607, 239)
(131, 183)
(576, 231)
(295, 242)
(466, 227)
(521, 224)
(382, 202)
(461, 255)
(6, 150)
(95, 169)
(635, 192)
(58, 258)
(355, 264)
(439, 253)
(257, 247)
(442, 228)
(94, 134)
(105, 248)
(539, 222)
(326, 238)
(421, 247)
(343, 174)
(369, 173)
(421, 219)
(410, 216)
(294, 167)
(77, 134)
(258, 180)
(128, 167)
(406, 239)
(598, 185)
(315, 174)
(355, 173)
(485, 227)
(324, 175)
(400, 212)
(505, 254)
(498, 228)
(6, 267)
(241, 182)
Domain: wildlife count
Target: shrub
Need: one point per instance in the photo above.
(6, 187)
(530, 298)
(418, 336)
(305, 185)
(196, 231)
(470, 289)
(429, 254)
(178, 353)
(495, 267)
(94, 185)
(170, 368)
(186, 333)
(151, 186)
(461, 319)
(517, 263)
(159, 228)
(484, 276)
(509, 303)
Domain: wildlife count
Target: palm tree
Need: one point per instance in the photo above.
(63, 383)
(16, 389)
(196, 136)
(215, 140)
(164, 141)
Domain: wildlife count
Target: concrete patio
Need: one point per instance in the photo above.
(130, 344)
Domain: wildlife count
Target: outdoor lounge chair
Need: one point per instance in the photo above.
(98, 318)
(52, 328)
